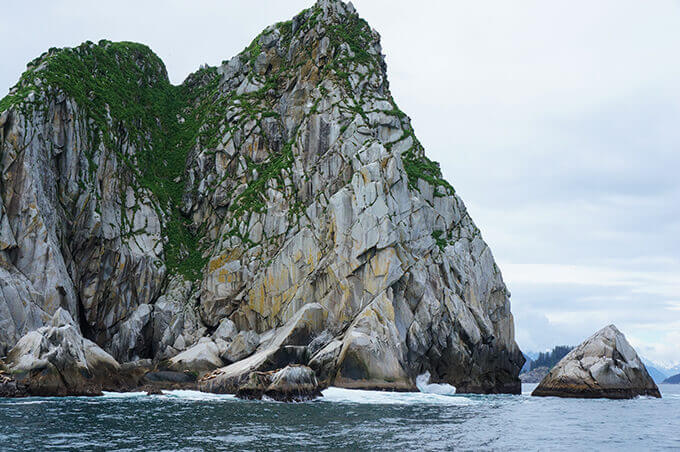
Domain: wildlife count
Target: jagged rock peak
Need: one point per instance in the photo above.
(283, 194)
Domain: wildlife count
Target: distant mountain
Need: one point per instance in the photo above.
(665, 369)
(671, 370)
(657, 375)
(675, 379)
(528, 361)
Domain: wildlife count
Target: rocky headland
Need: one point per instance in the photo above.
(603, 366)
(274, 212)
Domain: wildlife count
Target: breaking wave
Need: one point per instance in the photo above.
(361, 396)
(423, 384)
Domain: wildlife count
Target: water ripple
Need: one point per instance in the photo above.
(341, 420)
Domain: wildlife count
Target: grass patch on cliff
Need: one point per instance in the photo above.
(420, 167)
(132, 108)
(439, 239)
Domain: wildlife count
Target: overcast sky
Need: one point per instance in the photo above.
(557, 122)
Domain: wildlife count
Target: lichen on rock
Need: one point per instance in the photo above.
(283, 192)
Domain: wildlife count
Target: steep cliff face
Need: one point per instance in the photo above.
(285, 181)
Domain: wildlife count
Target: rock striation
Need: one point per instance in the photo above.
(277, 209)
(57, 360)
(293, 383)
(604, 366)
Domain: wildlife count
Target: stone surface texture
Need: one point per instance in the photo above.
(293, 383)
(286, 215)
(604, 366)
(56, 360)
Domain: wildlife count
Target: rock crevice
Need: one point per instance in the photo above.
(283, 191)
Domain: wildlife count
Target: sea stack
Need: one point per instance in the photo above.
(603, 366)
(277, 209)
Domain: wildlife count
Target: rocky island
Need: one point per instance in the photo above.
(603, 366)
(272, 222)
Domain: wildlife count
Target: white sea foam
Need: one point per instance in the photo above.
(362, 396)
(26, 402)
(173, 394)
(122, 395)
(197, 395)
(423, 384)
(332, 394)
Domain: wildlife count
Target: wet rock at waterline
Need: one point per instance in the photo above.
(290, 384)
(605, 365)
(275, 210)
(57, 360)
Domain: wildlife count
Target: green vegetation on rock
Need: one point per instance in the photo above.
(124, 91)
(153, 126)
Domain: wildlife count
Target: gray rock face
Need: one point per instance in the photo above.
(290, 384)
(309, 217)
(57, 360)
(176, 324)
(71, 232)
(605, 365)
(379, 240)
(201, 358)
(244, 344)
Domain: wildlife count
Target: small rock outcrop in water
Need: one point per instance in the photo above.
(605, 365)
(277, 209)
(290, 384)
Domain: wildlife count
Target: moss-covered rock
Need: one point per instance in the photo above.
(284, 191)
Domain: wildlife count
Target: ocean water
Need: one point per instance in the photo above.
(341, 420)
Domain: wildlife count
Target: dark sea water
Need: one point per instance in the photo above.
(342, 420)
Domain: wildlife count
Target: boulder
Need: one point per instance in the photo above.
(283, 346)
(254, 386)
(243, 345)
(604, 366)
(290, 384)
(201, 358)
(226, 331)
(371, 356)
(56, 360)
(10, 387)
(294, 384)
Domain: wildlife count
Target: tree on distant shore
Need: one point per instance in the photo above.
(549, 359)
